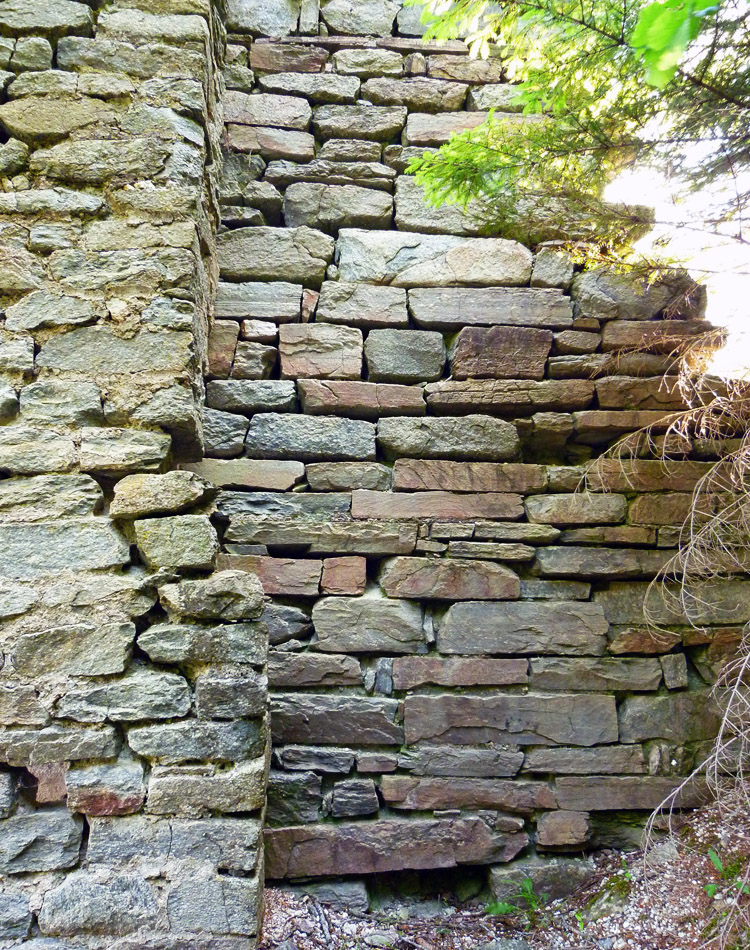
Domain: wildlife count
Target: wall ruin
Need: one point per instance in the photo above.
(398, 413)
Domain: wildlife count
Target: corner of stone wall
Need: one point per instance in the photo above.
(133, 695)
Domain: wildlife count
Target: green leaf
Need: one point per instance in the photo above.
(716, 860)
(711, 889)
(501, 908)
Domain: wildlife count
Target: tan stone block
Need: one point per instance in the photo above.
(344, 575)
(447, 506)
(657, 336)
(412, 671)
(579, 508)
(320, 350)
(599, 793)
(260, 474)
(645, 475)
(560, 829)
(624, 392)
(222, 341)
(501, 396)
(428, 793)
(431, 475)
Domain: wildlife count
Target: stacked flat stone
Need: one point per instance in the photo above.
(133, 719)
(401, 404)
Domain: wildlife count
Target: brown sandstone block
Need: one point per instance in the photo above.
(326, 719)
(580, 508)
(344, 575)
(642, 640)
(282, 576)
(618, 534)
(595, 674)
(645, 475)
(658, 336)
(430, 475)
(600, 793)
(442, 505)
(448, 579)
(600, 760)
(222, 342)
(271, 143)
(428, 793)
(411, 671)
(249, 473)
(667, 508)
(321, 536)
(599, 562)
(371, 624)
(563, 829)
(624, 392)
(387, 845)
(491, 550)
(320, 349)
(522, 719)
(360, 400)
(500, 353)
(466, 762)
(269, 57)
(302, 670)
(499, 397)
(595, 426)
(348, 476)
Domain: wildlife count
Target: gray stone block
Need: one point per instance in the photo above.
(182, 542)
(359, 122)
(470, 437)
(226, 595)
(15, 916)
(332, 207)
(195, 741)
(231, 695)
(142, 693)
(299, 255)
(217, 905)
(274, 436)
(47, 497)
(45, 840)
(38, 550)
(404, 356)
(294, 798)
(230, 643)
(368, 624)
(223, 433)
(83, 903)
(24, 747)
(78, 650)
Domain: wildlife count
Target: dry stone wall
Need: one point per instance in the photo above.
(401, 403)
(133, 726)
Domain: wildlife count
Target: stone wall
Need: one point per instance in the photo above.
(400, 410)
(133, 733)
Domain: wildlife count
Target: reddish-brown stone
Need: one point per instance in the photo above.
(271, 143)
(284, 576)
(609, 793)
(638, 475)
(427, 793)
(667, 508)
(371, 847)
(643, 640)
(411, 671)
(268, 57)
(360, 400)
(503, 396)
(430, 475)
(657, 336)
(437, 505)
(602, 425)
(300, 670)
(222, 342)
(563, 829)
(101, 801)
(500, 353)
(320, 350)
(448, 579)
(624, 392)
(50, 782)
(344, 575)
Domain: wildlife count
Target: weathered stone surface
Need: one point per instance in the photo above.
(368, 62)
(367, 624)
(354, 798)
(231, 695)
(183, 542)
(251, 395)
(419, 260)
(43, 118)
(419, 94)
(36, 550)
(320, 350)
(358, 122)
(332, 207)
(462, 762)
(360, 400)
(529, 627)
(173, 492)
(500, 353)
(223, 433)
(273, 57)
(183, 643)
(93, 162)
(404, 356)
(430, 130)
(347, 476)
(330, 172)
(362, 305)
(270, 144)
(597, 793)
(655, 336)
(596, 674)
(44, 309)
(300, 758)
(365, 16)
(719, 603)
(7, 794)
(299, 255)
(293, 798)
(15, 916)
(317, 87)
(302, 670)
(215, 905)
(425, 475)
(278, 301)
(625, 392)
(142, 693)
(471, 437)
(287, 577)
(48, 496)
(456, 307)
(226, 595)
(275, 436)
(434, 505)
(522, 719)
(25, 747)
(115, 451)
(57, 18)
(264, 109)
(677, 717)
(321, 536)
(198, 741)
(387, 845)
(412, 671)
(555, 877)
(26, 450)
(464, 69)
(505, 97)
(277, 18)
(117, 788)
(638, 475)
(448, 579)
(427, 793)
(62, 403)
(414, 213)
(197, 790)
(344, 575)
(606, 294)
(233, 503)
(332, 720)
(603, 760)
(85, 904)
(40, 841)
(79, 650)
(600, 562)
(579, 508)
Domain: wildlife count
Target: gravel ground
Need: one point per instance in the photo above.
(634, 902)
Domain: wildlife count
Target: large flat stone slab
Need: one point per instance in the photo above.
(297, 255)
(448, 579)
(369, 624)
(454, 307)
(471, 437)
